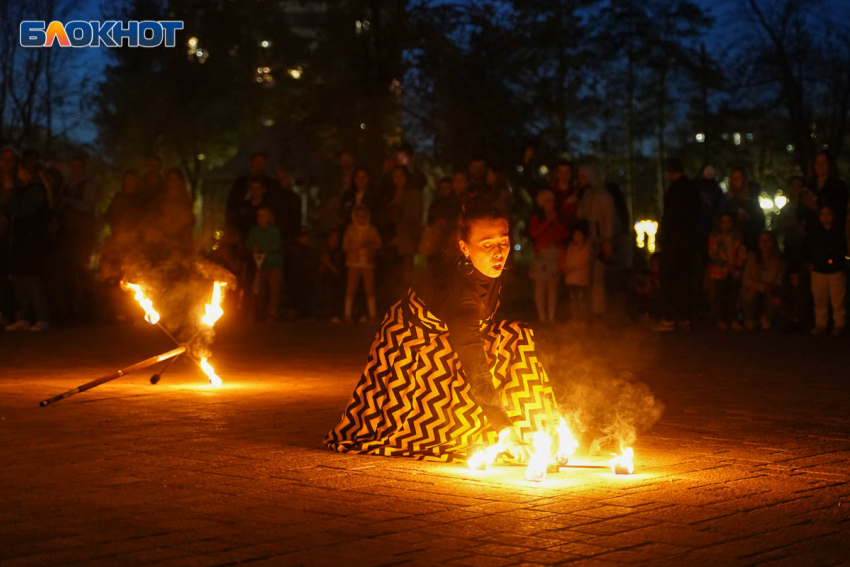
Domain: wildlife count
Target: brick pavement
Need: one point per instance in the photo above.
(750, 464)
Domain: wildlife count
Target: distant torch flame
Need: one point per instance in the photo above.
(484, 458)
(209, 371)
(151, 316)
(567, 444)
(646, 231)
(623, 464)
(539, 461)
(213, 308)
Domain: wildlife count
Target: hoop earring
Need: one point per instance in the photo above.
(465, 266)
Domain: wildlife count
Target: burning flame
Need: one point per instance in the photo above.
(567, 444)
(209, 371)
(484, 458)
(151, 316)
(539, 461)
(623, 464)
(213, 308)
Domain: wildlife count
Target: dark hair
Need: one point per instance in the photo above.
(30, 154)
(740, 169)
(79, 157)
(154, 156)
(477, 157)
(478, 208)
(357, 170)
(581, 226)
(675, 165)
(565, 162)
(832, 172)
(799, 178)
(258, 154)
(405, 147)
(445, 179)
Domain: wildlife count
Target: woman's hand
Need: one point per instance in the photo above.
(518, 450)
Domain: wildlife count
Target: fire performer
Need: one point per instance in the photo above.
(443, 374)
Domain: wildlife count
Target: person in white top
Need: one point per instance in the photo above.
(597, 208)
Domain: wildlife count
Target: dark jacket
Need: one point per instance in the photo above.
(749, 216)
(710, 201)
(462, 303)
(29, 215)
(834, 194)
(371, 199)
(826, 249)
(679, 222)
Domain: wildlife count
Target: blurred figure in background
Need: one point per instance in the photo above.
(726, 257)
(8, 181)
(826, 248)
(548, 234)
(597, 208)
(761, 293)
(746, 211)
(264, 242)
(576, 265)
(360, 244)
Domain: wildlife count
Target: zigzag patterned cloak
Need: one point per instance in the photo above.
(413, 398)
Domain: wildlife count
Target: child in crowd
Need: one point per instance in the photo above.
(647, 289)
(264, 242)
(331, 280)
(360, 244)
(727, 254)
(576, 265)
(762, 285)
(826, 248)
(548, 234)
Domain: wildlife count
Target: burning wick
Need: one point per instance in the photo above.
(483, 459)
(213, 308)
(208, 369)
(539, 461)
(151, 316)
(623, 464)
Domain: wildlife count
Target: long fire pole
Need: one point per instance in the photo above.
(117, 374)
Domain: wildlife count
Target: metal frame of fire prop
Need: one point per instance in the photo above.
(547, 458)
(213, 312)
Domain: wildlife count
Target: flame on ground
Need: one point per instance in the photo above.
(210, 372)
(623, 464)
(213, 308)
(484, 458)
(567, 444)
(151, 315)
(539, 461)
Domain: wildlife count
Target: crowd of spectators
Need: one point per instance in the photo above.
(350, 251)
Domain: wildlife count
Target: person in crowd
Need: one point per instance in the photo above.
(152, 182)
(241, 190)
(331, 277)
(710, 200)
(646, 289)
(245, 216)
(796, 301)
(597, 208)
(344, 174)
(677, 240)
(403, 214)
(566, 193)
(176, 217)
(405, 157)
(28, 215)
(432, 355)
(792, 222)
(499, 189)
(265, 243)
(477, 175)
(531, 179)
(761, 290)
(726, 257)
(123, 213)
(445, 204)
(576, 265)
(360, 193)
(8, 182)
(304, 258)
(826, 248)
(78, 229)
(743, 207)
(623, 248)
(360, 243)
(829, 188)
(286, 206)
(548, 234)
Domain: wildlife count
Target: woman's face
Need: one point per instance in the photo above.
(736, 182)
(361, 181)
(826, 217)
(578, 238)
(565, 175)
(725, 223)
(795, 188)
(399, 179)
(821, 166)
(488, 246)
(460, 183)
(492, 177)
(582, 179)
